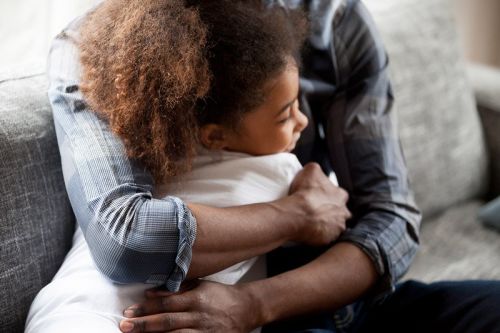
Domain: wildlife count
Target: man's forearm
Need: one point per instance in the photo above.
(336, 278)
(226, 236)
(313, 214)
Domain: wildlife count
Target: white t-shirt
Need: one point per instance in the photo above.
(81, 299)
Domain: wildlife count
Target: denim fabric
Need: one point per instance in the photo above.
(448, 306)
(415, 307)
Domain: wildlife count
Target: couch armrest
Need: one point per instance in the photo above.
(486, 85)
(36, 219)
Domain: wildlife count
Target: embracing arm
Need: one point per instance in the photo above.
(314, 214)
(364, 145)
(220, 245)
(134, 237)
(382, 237)
(364, 149)
(345, 274)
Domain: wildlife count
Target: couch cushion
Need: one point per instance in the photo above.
(36, 219)
(486, 83)
(491, 122)
(439, 126)
(456, 246)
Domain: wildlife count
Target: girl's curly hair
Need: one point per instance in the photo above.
(156, 70)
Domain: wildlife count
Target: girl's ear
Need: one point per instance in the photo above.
(213, 136)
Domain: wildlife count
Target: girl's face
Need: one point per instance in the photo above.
(274, 126)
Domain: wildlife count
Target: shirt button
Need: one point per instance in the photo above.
(70, 89)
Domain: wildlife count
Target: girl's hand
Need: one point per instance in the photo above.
(206, 307)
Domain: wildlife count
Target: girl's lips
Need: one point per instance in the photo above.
(294, 143)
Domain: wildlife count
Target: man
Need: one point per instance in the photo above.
(346, 95)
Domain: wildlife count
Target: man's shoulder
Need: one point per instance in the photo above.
(323, 16)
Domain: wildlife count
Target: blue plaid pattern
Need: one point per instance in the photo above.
(133, 237)
(347, 96)
(345, 92)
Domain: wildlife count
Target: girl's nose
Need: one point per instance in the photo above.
(301, 120)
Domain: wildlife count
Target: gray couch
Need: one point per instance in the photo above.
(452, 151)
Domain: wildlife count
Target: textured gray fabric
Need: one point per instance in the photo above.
(36, 220)
(486, 84)
(439, 127)
(485, 81)
(456, 246)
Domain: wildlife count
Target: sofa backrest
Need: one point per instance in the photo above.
(438, 122)
(36, 220)
(439, 129)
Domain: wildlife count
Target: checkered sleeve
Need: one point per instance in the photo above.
(132, 236)
(365, 150)
(348, 93)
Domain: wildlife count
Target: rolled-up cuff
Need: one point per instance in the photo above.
(391, 251)
(187, 234)
(385, 284)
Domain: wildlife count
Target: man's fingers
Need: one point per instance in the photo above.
(347, 213)
(343, 195)
(171, 303)
(309, 172)
(164, 322)
(312, 167)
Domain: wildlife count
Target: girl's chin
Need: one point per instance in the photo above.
(290, 148)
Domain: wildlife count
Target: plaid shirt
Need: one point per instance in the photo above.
(346, 94)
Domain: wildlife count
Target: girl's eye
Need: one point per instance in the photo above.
(284, 120)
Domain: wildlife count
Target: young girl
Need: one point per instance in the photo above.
(205, 96)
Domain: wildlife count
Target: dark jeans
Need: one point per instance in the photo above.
(440, 307)
(454, 307)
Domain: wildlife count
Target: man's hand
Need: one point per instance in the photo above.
(319, 205)
(206, 307)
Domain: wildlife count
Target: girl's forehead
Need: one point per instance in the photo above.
(284, 84)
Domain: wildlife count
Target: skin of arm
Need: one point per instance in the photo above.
(215, 249)
(347, 273)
